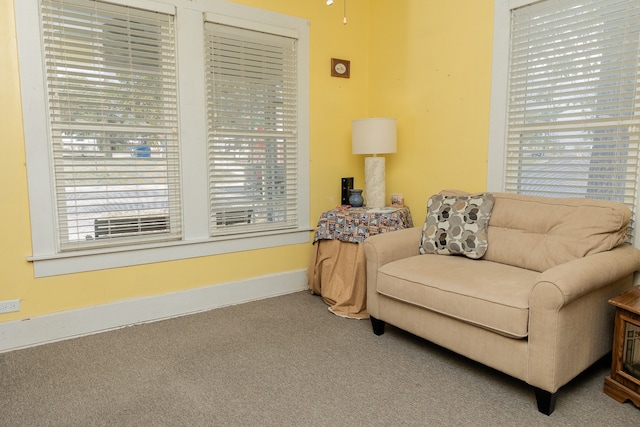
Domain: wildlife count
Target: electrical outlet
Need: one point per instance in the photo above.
(9, 306)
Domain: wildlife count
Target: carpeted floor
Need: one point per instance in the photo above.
(284, 361)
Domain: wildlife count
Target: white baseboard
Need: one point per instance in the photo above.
(74, 323)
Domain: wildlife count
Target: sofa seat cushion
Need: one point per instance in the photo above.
(487, 294)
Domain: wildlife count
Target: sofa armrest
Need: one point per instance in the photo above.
(584, 275)
(384, 248)
(570, 319)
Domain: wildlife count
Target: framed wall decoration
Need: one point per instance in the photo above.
(340, 68)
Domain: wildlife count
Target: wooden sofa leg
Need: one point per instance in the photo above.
(378, 325)
(546, 400)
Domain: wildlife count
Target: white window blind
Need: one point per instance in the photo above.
(252, 130)
(112, 103)
(573, 121)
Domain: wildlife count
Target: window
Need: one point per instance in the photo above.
(571, 124)
(112, 106)
(252, 121)
(148, 140)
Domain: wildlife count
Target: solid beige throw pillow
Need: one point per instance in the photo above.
(457, 225)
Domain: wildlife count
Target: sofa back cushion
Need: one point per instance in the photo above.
(538, 233)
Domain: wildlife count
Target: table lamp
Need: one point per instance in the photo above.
(374, 136)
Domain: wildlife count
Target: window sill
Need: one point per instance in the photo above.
(100, 259)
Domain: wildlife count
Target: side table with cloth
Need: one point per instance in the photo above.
(337, 270)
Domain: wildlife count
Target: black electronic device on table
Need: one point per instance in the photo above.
(347, 184)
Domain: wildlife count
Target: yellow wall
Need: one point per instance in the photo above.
(431, 68)
(425, 62)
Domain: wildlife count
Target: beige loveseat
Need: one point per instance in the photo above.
(535, 306)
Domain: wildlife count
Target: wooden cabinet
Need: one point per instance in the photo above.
(624, 382)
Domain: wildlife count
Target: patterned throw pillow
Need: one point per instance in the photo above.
(457, 225)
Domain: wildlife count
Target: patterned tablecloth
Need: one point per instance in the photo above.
(356, 224)
(337, 269)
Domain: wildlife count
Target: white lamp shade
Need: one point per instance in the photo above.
(373, 136)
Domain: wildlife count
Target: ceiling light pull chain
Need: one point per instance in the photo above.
(344, 17)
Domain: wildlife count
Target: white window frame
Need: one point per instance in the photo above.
(196, 240)
(499, 91)
(499, 98)
(94, 135)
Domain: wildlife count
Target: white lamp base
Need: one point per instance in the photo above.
(374, 177)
